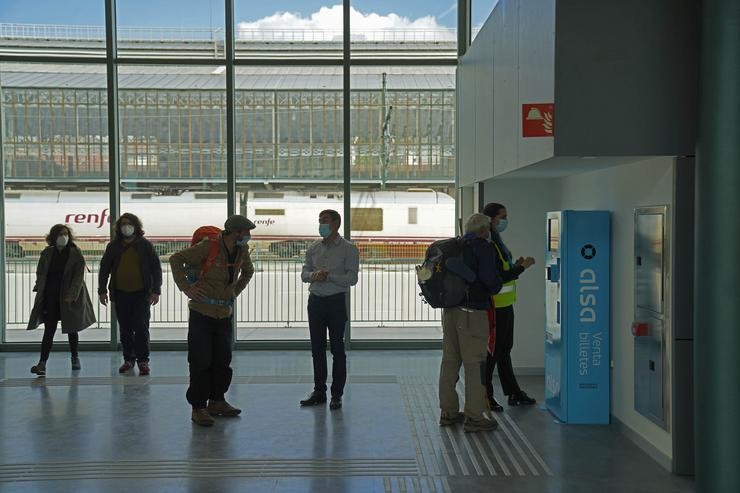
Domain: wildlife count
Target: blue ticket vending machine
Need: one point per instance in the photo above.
(577, 314)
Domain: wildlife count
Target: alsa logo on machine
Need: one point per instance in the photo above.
(587, 289)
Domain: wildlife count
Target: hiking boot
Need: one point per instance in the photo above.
(335, 403)
(39, 369)
(495, 406)
(222, 408)
(201, 417)
(521, 398)
(76, 365)
(144, 368)
(449, 419)
(481, 424)
(126, 367)
(313, 399)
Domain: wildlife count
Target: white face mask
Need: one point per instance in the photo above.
(62, 241)
(127, 230)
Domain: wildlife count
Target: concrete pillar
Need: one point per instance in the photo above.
(717, 302)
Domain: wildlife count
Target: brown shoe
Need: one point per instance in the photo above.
(222, 408)
(201, 417)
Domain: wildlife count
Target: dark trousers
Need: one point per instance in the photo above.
(133, 311)
(50, 328)
(209, 355)
(502, 353)
(329, 313)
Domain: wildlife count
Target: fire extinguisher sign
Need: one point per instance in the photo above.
(537, 119)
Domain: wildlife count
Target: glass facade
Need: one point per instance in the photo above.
(173, 157)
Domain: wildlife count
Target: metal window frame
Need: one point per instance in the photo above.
(112, 61)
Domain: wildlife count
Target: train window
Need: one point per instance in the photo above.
(413, 218)
(210, 196)
(141, 195)
(269, 195)
(269, 212)
(366, 219)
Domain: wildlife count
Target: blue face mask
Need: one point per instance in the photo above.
(324, 230)
(245, 239)
(501, 226)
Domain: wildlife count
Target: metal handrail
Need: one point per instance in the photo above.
(164, 34)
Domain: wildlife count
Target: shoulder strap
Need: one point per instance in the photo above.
(211, 258)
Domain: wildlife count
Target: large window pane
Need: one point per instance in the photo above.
(411, 29)
(169, 28)
(288, 29)
(289, 168)
(403, 178)
(55, 158)
(45, 27)
(172, 146)
(480, 10)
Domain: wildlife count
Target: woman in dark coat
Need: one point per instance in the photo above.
(61, 295)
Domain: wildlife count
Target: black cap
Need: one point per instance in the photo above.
(238, 223)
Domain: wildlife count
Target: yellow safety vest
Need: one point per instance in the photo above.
(507, 295)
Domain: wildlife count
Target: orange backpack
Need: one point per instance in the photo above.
(211, 234)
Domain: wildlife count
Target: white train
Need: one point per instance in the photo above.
(418, 216)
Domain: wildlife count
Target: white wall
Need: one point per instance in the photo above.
(620, 190)
(526, 201)
(511, 62)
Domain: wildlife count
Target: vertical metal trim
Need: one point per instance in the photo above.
(230, 144)
(463, 26)
(230, 113)
(3, 258)
(347, 141)
(114, 168)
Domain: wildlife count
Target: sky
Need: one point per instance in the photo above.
(283, 14)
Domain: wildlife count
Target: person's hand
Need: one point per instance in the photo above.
(527, 262)
(195, 292)
(153, 299)
(68, 299)
(320, 275)
(104, 299)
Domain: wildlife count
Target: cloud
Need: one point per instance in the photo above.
(326, 24)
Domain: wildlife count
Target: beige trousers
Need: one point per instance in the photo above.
(464, 342)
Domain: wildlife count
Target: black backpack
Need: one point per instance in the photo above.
(443, 276)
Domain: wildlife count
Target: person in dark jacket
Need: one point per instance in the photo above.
(131, 272)
(465, 333)
(504, 313)
(61, 295)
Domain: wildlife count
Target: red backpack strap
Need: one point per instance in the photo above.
(211, 258)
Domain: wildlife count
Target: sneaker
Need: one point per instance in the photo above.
(495, 406)
(39, 369)
(313, 399)
(222, 408)
(201, 417)
(335, 403)
(126, 367)
(144, 368)
(482, 424)
(449, 419)
(521, 398)
(76, 365)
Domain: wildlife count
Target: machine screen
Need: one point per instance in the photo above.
(553, 234)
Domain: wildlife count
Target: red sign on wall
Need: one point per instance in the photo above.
(537, 119)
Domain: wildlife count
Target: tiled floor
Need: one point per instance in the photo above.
(98, 431)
